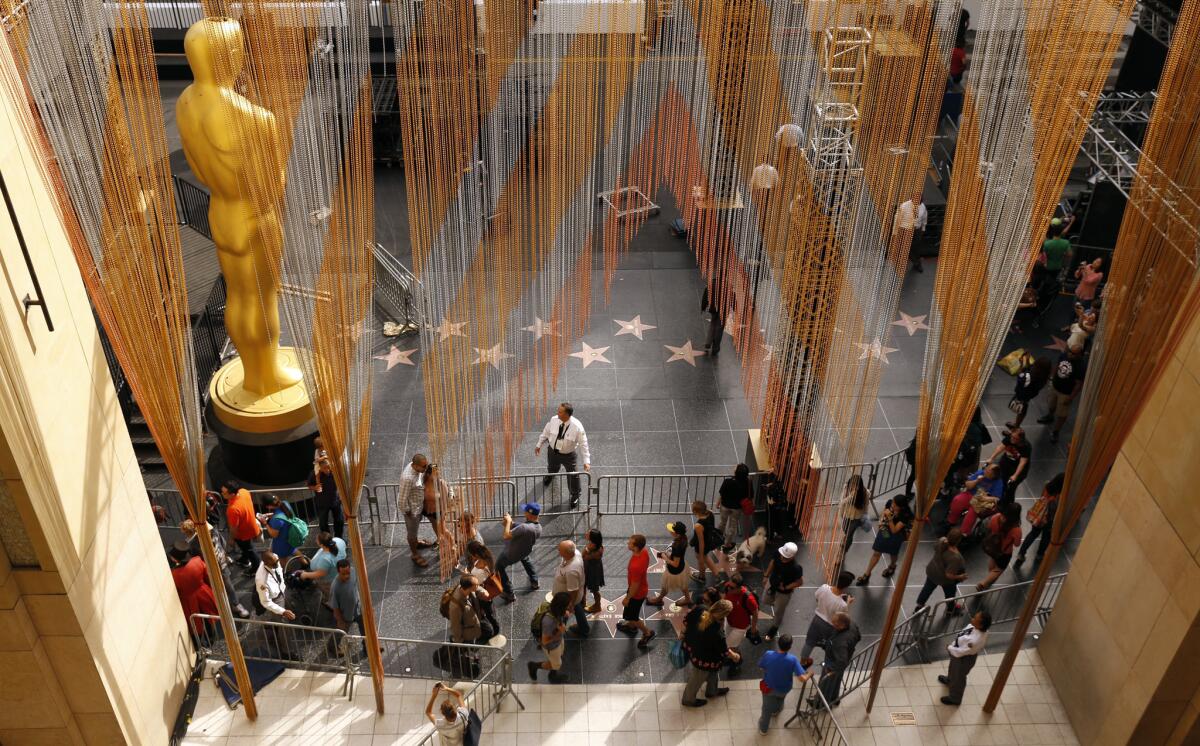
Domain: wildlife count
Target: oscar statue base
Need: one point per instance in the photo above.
(264, 440)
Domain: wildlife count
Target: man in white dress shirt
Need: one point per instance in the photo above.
(963, 652)
(566, 440)
(911, 218)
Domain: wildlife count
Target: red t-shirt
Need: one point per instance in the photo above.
(743, 606)
(638, 565)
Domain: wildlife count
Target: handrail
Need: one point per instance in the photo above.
(818, 716)
(916, 633)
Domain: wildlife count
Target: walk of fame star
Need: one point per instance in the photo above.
(634, 326)
(875, 350)
(685, 353)
(673, 613)
(541, 328)
(491, 356)
(911, 323)
(591, 355)
(396, 357)
(611, 612)
(1058, 344)
(448, 329)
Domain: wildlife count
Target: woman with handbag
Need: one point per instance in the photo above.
(482, 565)
(1004, 535)
(1041, 519)
(1030, 383)
(894, 524)
(704, 641)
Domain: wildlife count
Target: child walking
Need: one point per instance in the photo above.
(593, 567)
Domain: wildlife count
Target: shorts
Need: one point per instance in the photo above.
(633, 609)
(734, 636)
(674, 582)
(1062, 404)
(554, 655)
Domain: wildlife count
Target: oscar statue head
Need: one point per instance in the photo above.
(214, 50)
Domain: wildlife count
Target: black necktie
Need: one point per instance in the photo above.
(562, 426)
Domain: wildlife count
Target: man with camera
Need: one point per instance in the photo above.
(411, 503)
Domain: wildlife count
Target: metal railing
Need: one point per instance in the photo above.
(662, 494)
(291, 645)
(916, 637)
(484, 696)
(495, 497)
(814, 712)
(191, 206)
(170, 512)
(397, 291)
(210, 339)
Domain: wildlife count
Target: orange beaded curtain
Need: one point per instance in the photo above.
(787, 132)
(1036, 71)
(308, 63)
(1151, 300)
(94, 109)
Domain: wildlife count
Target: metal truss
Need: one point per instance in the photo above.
(1113, 156)
(1156, 19)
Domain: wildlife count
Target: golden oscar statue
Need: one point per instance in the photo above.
(233, 146)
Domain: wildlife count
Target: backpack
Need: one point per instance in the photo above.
(745, 605)
(535, 625)
(297, 527)
(444, 604)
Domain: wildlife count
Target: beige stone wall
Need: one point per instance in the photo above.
(1123, 645)
(93, 644)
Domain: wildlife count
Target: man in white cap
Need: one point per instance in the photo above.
(783, 576)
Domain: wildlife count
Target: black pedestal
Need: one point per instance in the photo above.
(277, 458)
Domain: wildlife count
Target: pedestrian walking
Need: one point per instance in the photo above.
(567, 443)
(707, 650)
(1041, 519)
(637, 588)
(709, 303)
(894, 525)
(343, 600)
(325, 497)
(779, 668)
(1065, 384)
(518, 545)
(839, 651)
(855, 500)
(782, 577)
(593, 567)
(946, 569)
(569, 577)
(1004, 535)
(743, 617)
(188, 529)
(455, 717)
(734, 494)
(461, 606)
(674, 579)
(244, 528)
(963, 652)
(1030, 383)
(911, 218)
(831, 601)
(551, 628)
(410, 497)
(706, 539)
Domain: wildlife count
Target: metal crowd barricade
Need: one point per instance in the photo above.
(889, 474)
(813, 710)
(170, 511)
(493, 497)
(921, 637)
(419, 659)
(662, 494)
(485, 695)
(292, 645)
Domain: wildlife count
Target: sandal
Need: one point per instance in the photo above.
(862, 579)
(420, 561)
(889, 571)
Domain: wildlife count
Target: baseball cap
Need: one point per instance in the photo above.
(532, 507)
(1055, 221)
(787, 551)
(677, 528)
